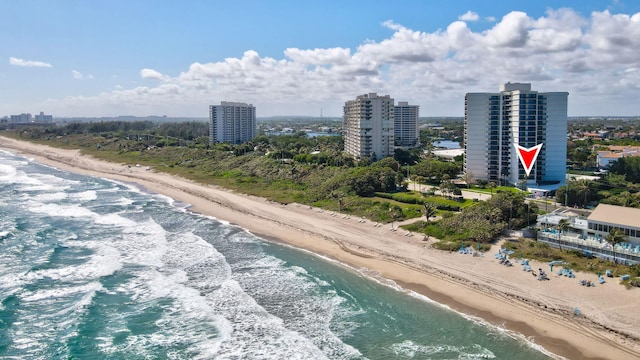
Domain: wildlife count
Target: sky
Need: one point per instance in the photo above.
(77, 58)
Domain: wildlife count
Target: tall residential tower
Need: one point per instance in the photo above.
(368, 126)
(495, 123)
(232, 122)
(405, 123)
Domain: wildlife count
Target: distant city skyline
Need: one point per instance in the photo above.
(110, 58)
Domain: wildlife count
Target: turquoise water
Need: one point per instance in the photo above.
(93, 269)
(449, 144)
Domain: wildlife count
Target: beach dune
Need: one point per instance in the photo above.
(608, 326)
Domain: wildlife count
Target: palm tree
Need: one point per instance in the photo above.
(491, 185)
(445, 185)
(429, 210)
(615, 237)
(339, 196)
(582, 187)
(395, 212)
(563, 225)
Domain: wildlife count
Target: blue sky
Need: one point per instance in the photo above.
(174, 58)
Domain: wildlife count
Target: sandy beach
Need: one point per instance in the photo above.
(608, 326)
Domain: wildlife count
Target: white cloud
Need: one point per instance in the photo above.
(405, 45)
(615, 37)
(151, 74)
(79, 76)
(594, 58)
(512, 31)
(28, 63)
(337, 56)
(469, 16)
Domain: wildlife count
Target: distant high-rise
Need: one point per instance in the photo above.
(22, 118)
(232, 122)
(494, 123)
(368, 126)
(43, 118)
(405, 120)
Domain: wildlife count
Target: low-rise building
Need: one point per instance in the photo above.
(605, 217)
(589, 233)
(605, 158)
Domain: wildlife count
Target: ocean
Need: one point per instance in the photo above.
(96, 269)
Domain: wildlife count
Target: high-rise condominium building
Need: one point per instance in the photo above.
(42, 117)
(405, 125)
(22, 118)
(232, 122)
(494, 123)
(368, 126)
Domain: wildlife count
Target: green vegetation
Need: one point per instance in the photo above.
(615, 237)
(610, 189)
(629, 167)
(432, 171)
(622, 185)
(317, 172)
(295, 168)
(480, 223)
(438, 202)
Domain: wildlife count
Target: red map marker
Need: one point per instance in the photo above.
(528, 156)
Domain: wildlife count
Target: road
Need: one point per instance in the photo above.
(413, 186)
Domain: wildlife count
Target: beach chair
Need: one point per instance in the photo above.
(608, 273)
(601, 280)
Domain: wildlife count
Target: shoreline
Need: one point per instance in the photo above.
(476, 286)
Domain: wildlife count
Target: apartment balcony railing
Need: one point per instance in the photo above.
(625, 253)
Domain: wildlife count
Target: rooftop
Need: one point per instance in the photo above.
(616, 215)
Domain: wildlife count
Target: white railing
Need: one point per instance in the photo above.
(597, 247)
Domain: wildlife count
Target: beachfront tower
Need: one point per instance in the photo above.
(232, 122)
(495, 122)
(368, 126)
(405, 125)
